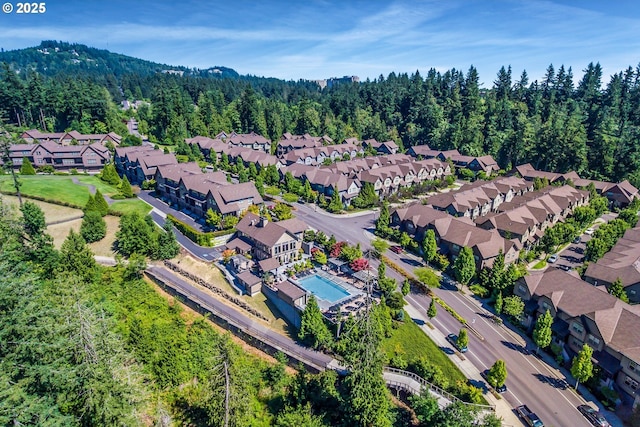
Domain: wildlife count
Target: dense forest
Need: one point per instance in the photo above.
(553, 123)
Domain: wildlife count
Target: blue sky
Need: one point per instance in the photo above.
(323, 38)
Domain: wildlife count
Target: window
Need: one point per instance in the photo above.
(593, 341)
(522, 289)
(633, 366)
(545, 306)
(631, 383)
(91, 161)
(577, 327)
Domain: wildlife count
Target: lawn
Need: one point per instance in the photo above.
(416, 344)
(51, 187)
(106, 189)
(131, 205)
(540, 264)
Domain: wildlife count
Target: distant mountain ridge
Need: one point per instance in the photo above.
(54, 57)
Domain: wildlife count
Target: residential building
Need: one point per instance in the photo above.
(290, 142)
(387, 147)
(621, 262)
(140, 163)
(70, 138)
(270, 239)
(484, 164)
(185, 186)
(249, 140)
(585, 314)
(427, 153)
(84, 158)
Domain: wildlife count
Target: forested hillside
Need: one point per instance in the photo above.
(551, 123)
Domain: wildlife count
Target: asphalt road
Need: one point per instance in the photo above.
(530, 381)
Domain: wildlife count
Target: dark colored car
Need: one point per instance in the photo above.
(453, 340)
(576, 240)
(397, 249)
(594, 417)
(485, 375)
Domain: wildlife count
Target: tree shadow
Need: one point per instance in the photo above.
(517, 347)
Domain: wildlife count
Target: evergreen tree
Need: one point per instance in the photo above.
(464, 267)
(27, 168)
(498, 303)
(542, 330)
(109, 175)
(406, 288)
(313, 331)
(125, 188)
(167, 246)
(582, 366)
(77, 258)
(93, 227)
(90, 205)
(433, 310)
(33, 219)
(335, 205)
(617, 290)
(135, 235)
(101, 204)
(429, 246)
(383, 221)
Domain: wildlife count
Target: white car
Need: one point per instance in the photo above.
(589, 231)
(553, 258)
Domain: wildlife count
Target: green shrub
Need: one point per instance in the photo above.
(479, 290)
(272, 191)
(290, 197)
(198, 237)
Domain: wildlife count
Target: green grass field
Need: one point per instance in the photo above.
(131, 205)
(55, 188)
(416, 344)
(106, 189)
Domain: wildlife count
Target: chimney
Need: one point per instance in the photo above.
(263, 222)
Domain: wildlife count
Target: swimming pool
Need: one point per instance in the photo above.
(323, 288)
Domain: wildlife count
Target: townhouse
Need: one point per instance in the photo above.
(587, 314)
(387, 147)
(452, 234)
(525, 218)
(290, 142)
(529, 173)
(317, 155)
(251, 140)
(188, 188)
(86, 158)
(484, 164)
(259, 158)
(480, 197)
(621, 262)
(70, 138)
(140, 163)
(269, 240)
(425, 152)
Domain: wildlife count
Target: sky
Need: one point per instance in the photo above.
(317, 39)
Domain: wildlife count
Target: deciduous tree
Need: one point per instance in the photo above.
(497, 374)
(582, 366)
(464, 266)
(542, 330)
(429, 246)
(433, 310)
(313, 331)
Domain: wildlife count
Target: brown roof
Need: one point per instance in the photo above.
(617, 321)
(293, 225)
(249, 278)
(291, 290)
(269, 264)
(622, 261)
(175, 171)
(238, 243)
(420, 215)
(268, 234)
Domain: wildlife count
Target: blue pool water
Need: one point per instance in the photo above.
(322, 288)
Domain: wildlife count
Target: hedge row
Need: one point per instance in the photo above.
(450, 310)
(412, 280)
(198, 237)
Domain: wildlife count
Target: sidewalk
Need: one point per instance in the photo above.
(503, 409)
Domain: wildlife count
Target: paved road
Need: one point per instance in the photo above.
(530, 380)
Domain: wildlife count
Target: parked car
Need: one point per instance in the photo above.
(553, 258)
(453, 340)
(485, 375)
(594, 417)
(589, 231)
(577, 240)
(396, 249)
(564, 267)
(529, 417)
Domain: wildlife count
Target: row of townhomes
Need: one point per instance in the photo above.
(454, 233)
(85, 158)
(621, 262)
(73, 137)
(490, 216)
(619, 194)
(484, 164)
(140, 163)
(584, 313)
(185, 186)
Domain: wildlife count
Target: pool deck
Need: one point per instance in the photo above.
(326, 305)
